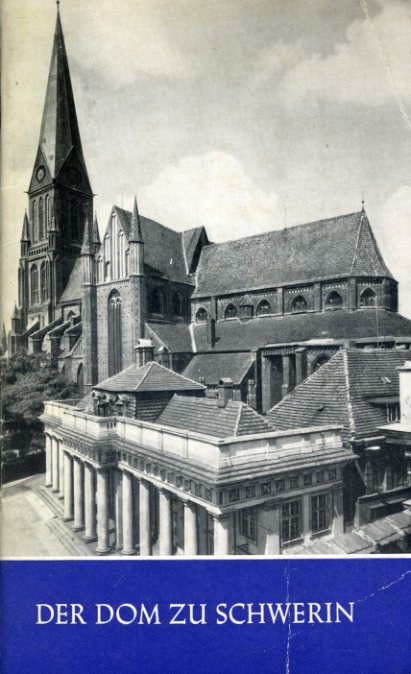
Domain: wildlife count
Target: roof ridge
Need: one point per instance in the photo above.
(285, 229)
(150, 363)
(237, 421)
(346, 372)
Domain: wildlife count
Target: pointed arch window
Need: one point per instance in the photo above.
(263, 307)
(35, 221)
(178, 304)
(43, 281)
(368, 298)
(34, 285)
(41, 219)
(115, 333)
(201, 315)
(121, 261)
(298, 304)
(333, 300)
(230, 311)
(156, 303)
(47, 213)
(127, 261)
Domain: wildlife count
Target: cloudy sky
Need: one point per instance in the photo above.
(239, 115)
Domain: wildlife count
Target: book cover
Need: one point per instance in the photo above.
(205, 350)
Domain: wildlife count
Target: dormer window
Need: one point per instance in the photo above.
(333, 301)
(230, 311)
(299, 304)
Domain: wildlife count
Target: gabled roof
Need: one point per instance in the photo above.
(151, 377)
(343, 324)
(215, 366)
(175, 337)
(203, 415)
(341, 393)
(327, 249)
(163, 247)
(192, 240)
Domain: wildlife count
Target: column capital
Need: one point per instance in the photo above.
(189, 504)
(165, 492)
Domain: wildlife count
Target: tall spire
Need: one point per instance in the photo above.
(59, 127)
(136, 235)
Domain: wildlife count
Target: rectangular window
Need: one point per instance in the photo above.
(280, 485)
(308, 479)
(320, 513)
(320, 476)
(294, 482)
(233, 495)
(291, 521)
(250, 491)
(248, 523)
(265, 488)
(332, 473)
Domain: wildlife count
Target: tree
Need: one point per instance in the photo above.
(26, 381)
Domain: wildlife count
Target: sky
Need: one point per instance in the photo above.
(242, 116)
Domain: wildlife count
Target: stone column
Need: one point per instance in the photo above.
(165, 542)
(270, 523)
(68, 487)
(145, 533)
(103, 544)
(61, 470)
(90, 533)
(190, 529)
(78, 494)
(55, 463)
(118, 508)
(306, 516)
(48, 461)
(222, 534)
(128, 519)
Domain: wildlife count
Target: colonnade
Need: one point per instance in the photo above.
(93, 495)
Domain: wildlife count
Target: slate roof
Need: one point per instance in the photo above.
(202, 415)
(163, 247)
(175, 336)
(215, 366)
(340, 391)
(327, 249)
(343, 324)
(72, 291)
(150, 377)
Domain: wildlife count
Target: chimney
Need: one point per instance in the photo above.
(210, 332)
(225, 392)
(144, 352)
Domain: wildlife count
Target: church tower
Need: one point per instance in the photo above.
(60, 197)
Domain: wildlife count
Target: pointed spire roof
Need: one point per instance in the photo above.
(59, 127)
(136, 235)
(25, 234)
(86, 248)
(15, 312)
(95, 232)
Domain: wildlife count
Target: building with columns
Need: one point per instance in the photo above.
(264, 311)
(208, 476)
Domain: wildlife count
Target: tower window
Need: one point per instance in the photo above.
(230, 311)
(35, 221)
(34, 285)
(156, 303)
(299, 304)
(47, 212)
(367, 298)
(43, 281)
(41, 219)
(333, 301)
(263, 308)
(115, 333)
(201, 315)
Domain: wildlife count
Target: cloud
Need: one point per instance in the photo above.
(370, 67)
(213, 190)
(395, 238)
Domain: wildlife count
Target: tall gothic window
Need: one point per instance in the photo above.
(156, 301)
(367, 298)
(41, 219)
(47, 212)
(35, 221)
(121, 254)
(34, 285)
(115, 356)
(43, 281)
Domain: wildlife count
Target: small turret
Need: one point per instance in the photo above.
(87, 254)
(136, 244)
(25, 236)
(95, 235)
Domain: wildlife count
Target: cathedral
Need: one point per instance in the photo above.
(261, 313)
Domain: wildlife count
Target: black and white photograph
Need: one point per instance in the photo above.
(205, 279)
